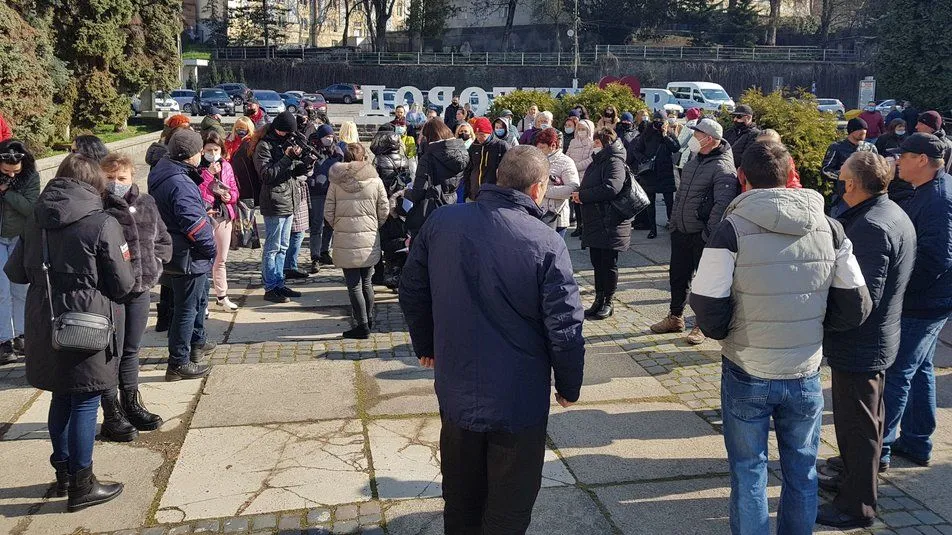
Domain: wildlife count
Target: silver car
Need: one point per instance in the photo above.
(184, 98)
(831, 105)
(270, 101)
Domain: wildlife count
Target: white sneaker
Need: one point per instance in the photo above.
(226, 303)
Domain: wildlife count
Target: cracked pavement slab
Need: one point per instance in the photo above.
(247, 394)
(397, 387)
(230, 471)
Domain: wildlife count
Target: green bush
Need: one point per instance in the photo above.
(596, 100)
(592, 97)
(518, 103)
(805, 131)
(26, 79)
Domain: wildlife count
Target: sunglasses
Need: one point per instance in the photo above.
(12, 157)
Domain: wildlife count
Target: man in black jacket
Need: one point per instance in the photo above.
(836, 156)
(743, 133)
(449, 114)
(884, 243)
(930, 122)
(278, 165)
(484, 156)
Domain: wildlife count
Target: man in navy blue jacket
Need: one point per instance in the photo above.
(910, 382)
(173, 182)
(492, 304)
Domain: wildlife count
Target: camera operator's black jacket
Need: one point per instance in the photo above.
(17, 203)
(279, 191)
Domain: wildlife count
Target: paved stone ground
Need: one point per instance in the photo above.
(298, 431)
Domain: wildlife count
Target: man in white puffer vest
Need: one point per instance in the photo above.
(775, 272)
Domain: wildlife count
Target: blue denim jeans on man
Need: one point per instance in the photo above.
(12, 296)
(294, 248)
(796, 406)
(190, 297)
(277, 231)
(72, 425)
(909, 395)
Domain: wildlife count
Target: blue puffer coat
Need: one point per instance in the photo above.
(180, 205)
(488, 291)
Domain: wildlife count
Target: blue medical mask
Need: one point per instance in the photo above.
(500, 132)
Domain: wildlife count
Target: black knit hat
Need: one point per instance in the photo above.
(855, 124)
(285, 122)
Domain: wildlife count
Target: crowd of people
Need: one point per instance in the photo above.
(466, 216)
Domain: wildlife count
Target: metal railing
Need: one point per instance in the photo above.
(545, 59)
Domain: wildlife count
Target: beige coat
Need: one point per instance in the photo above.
(356, 207)
(580, 149)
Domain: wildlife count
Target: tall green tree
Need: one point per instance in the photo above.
(426, 19)
(914, 56)
(258, 22)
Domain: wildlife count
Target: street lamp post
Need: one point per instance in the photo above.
(575, 60)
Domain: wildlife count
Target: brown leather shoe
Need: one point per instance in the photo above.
(670, 324)
(696, 337)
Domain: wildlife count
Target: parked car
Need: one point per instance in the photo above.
(831, 105)
(298, 94)
(292, 103)
(164, 102)
(238, 92)
(346, 93)
(184, 98)
(661, 100)
(270, 101)
(885, 106)
(705, 95)
(209, 97)
(317, 101)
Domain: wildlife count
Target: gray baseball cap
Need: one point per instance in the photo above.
(710, 127)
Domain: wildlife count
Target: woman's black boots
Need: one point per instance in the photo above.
(86, 491)
(62, 476)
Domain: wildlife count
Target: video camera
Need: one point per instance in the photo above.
(309, 154)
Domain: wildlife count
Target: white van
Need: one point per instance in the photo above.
(704, 95)
(661, 100)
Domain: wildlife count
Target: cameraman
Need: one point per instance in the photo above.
(278, 161)
(19, 189)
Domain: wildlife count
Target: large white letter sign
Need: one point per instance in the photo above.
(441, 96)
(401, 96)
(482, 99)
(373, 94)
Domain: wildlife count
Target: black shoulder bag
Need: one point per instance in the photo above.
(629, 202)
(83, 332)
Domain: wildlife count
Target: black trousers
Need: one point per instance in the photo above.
(686, 252)
(490, 480)
(166, 302)
(858, 416)
(652, 209)
(605, 262)
(360, 289)
(137, 316)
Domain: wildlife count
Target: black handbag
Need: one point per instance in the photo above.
(84, 332)
(629, 202)
(649, 166)
(245, 228)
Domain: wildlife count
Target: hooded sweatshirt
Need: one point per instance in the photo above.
(356, 207)
(582, 145)
(774, 274)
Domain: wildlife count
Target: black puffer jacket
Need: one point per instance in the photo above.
(149, 241)
(662, 148)
(439, 173)
(884, 243)
(90, 271)
(741, 136)
(392, 165)
(708, 184)
(483, 163)
(602, 182)
(243, 164)
(279, 191)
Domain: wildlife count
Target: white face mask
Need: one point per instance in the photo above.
(118, 189)
(596, 150)
(900, 133)
(694, 145)
(327, 141)
(212, 157)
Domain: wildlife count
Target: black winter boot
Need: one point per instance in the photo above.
(85, 490)
(137, 414)
(115, 425)
(360, 332)
(606, 310)
(62, 476)
(596, 305)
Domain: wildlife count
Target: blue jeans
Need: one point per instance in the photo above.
(72, 425)
(188, 316)
(12, 296)
(294, 247)
(277, 237)
(909, 395)
(796, 406)
(321, 232)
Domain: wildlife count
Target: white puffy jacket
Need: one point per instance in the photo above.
(356, 207)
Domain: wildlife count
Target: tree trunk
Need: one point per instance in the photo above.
(347, 12)
(774, 21)
(826, 19)
(510, 16)
(312, 30)
(264, 20)
(381, 20)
